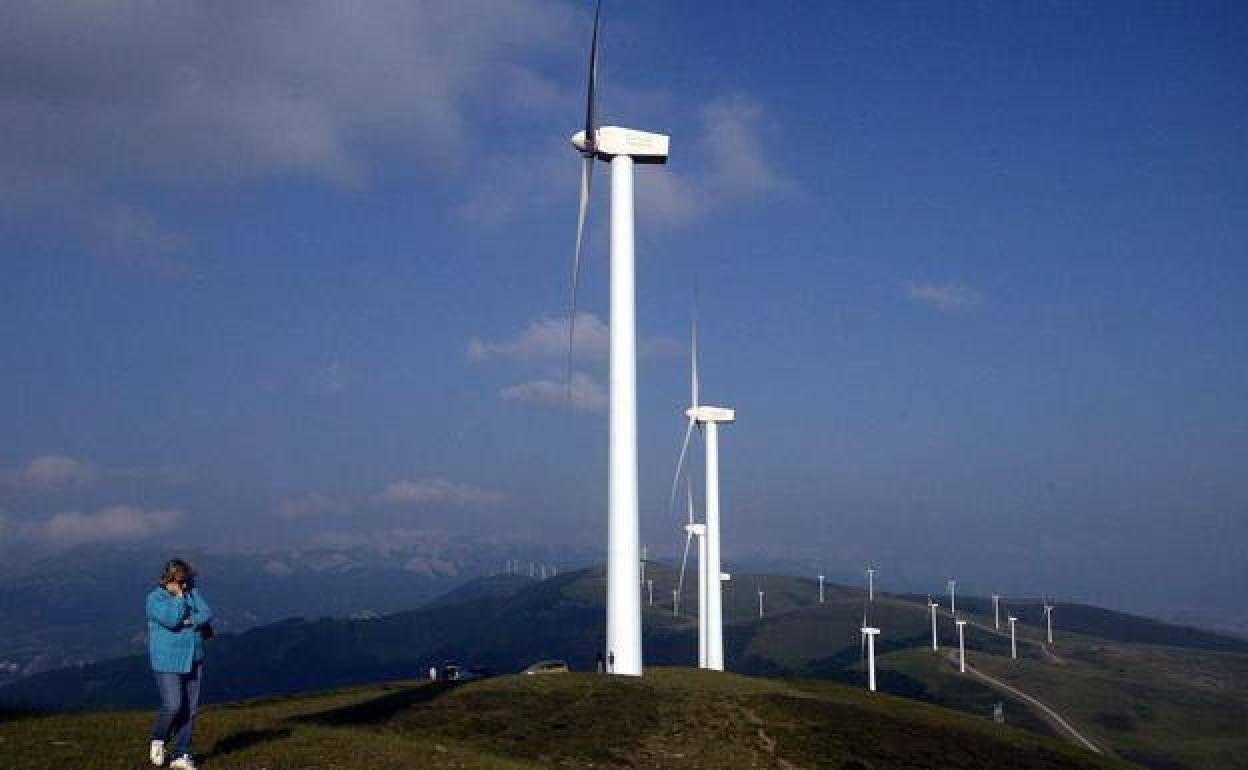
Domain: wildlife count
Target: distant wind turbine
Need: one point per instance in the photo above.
(996, 611)
(931, 605)
(1013, 644)
(1048, 619)
(694, 529)
(650, 591)
(953, 597)
(620, 147)
(760, 602)
(961, 645)
(821, 589)
(871, 584)
(869, 635)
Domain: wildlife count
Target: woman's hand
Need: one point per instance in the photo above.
(174, 587)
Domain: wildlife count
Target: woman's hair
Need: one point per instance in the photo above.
(176, 571)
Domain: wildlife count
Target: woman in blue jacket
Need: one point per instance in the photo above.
(178, 620)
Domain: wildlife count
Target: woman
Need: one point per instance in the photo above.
(177, 622)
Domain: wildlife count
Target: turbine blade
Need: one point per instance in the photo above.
(587, 179)
(591, 100)
(680, 464)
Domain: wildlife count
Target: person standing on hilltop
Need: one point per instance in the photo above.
(178, 621)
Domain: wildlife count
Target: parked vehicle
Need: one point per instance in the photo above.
(548, 667)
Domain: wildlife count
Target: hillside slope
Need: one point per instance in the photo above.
(671, 718)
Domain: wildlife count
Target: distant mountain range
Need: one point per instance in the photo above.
(86, 605)
(1133, 690)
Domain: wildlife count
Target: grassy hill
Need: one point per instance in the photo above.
(671, 718)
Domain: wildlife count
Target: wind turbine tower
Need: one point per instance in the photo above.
(821, 589)
(961, 645)
(953, 597)
(931, 605)
(650, 592)
(675, 602)
(622, 148)
(869, 634)
(1048, 619)
(996, 611)
(760, 602)
(1013, 644)
(870, 584)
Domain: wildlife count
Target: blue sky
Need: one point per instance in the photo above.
(974, 276)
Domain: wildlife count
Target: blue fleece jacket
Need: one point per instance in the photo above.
(174, 639)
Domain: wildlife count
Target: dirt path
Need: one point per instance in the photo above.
(1049, 715)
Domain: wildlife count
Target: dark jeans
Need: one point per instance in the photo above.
(179, 702)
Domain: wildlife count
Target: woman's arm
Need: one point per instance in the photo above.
(167, 610)
(201, 613)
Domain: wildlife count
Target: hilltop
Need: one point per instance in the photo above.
(671, 718)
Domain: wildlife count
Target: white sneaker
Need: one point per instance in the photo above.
(157, 753)
(183, 762)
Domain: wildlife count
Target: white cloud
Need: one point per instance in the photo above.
(187, 94)
(54, 472)
(436, 490)
(277, 568)
(328, 380)
(587, 394)
(947, 297)
(115, 524)
(314, 504)
(546, 339)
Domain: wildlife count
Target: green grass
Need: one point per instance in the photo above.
(671, 718)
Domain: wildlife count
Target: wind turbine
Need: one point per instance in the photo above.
(996, 611)
(931, 605)
(643, 565)
(621, 147)
(692, 530)
(650, 591)
(675, 602)
(869, 634)
(870, 584)
(953, 598)
(708, 419)
(760, 602)
(961, 645)
(1048, 619)
(1013, 644)
(821, 589)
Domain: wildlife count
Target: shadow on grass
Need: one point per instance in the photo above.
(245, 740)
(379, 710)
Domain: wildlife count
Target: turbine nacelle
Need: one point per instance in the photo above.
(697, 530)
(711, 414)
(641, 146)
(869, 631)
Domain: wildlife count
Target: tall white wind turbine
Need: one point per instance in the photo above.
(760, 602)
(821, 589)
(708, 419)
(1048, 619)
(953, 597)
(621, 147)
(1013, 643)
(871, 584)
(996, 611)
